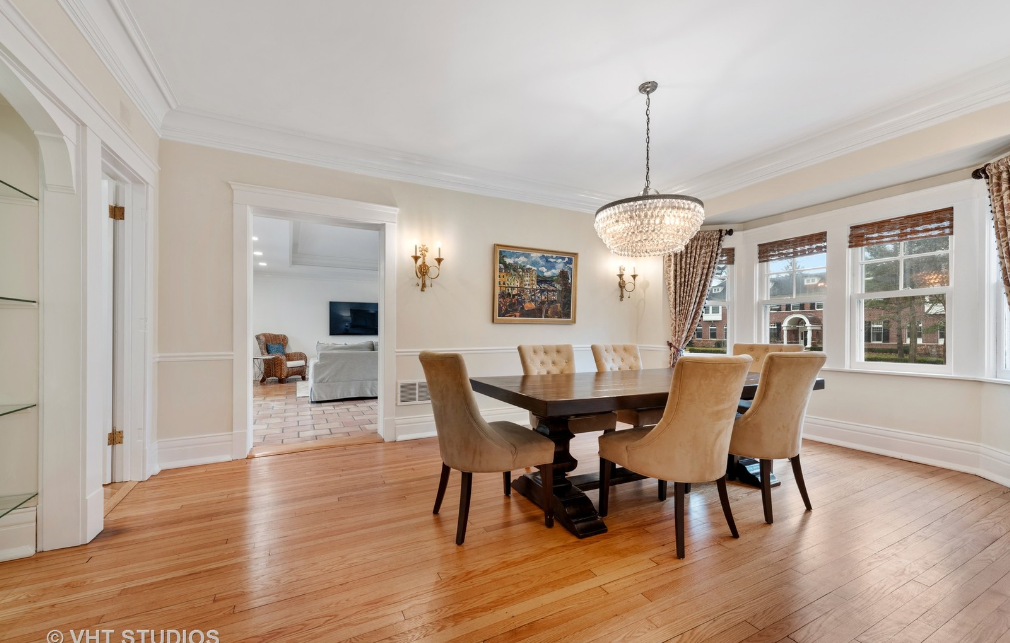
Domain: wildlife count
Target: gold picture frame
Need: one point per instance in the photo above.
(534, 286)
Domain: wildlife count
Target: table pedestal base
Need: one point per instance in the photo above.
(748, 471)
(572, 509)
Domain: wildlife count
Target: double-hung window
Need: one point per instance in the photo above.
(902, 292)
(794, 286)
(712, 332)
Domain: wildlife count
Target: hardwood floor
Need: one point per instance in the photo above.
(340, 544)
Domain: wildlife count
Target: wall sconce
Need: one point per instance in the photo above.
(624, 285)
(422, 271)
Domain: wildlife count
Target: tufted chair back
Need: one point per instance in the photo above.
(547, 359)
(617, 357)
(759, 352)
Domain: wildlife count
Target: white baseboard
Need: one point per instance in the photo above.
(174, 453)
(17, 534)
(415, 427)
(959, 455)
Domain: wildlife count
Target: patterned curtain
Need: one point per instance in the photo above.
(998, 178)
(688, 275)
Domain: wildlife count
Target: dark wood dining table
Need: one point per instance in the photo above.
(561, 401)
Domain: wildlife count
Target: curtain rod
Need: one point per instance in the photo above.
(979, 173)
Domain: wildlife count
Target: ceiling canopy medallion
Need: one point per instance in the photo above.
(650, 224)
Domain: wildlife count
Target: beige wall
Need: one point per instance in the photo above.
(195, 276)
(49, 19)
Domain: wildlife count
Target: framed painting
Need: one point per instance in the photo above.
(534, 286)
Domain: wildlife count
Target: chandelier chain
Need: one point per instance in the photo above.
(648, 113)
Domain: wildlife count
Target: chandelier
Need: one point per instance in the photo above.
(650, 224)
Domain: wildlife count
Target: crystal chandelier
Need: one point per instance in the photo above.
(650, 224)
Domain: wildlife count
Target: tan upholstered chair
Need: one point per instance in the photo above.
(281, 366)
(773, 427)
(552, 359)
(470, 445)
(625, 357)
(760, 351)
(691, 442)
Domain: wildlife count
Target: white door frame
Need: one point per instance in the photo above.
(321, 209)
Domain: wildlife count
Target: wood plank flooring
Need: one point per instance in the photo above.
(340, 545)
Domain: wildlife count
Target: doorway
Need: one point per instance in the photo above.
(315, 346)
(250, 201)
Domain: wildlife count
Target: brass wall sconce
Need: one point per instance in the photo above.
(422, 271)
(623, 285)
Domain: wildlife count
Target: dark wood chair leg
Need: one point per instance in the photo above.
(687, 487)
(766, 489)
(605, 470)
(508, 482)
(678, 511)
(724, 499)
(798, 474)
(464, 506)
(442, 482)
(547, 482)
(606, 431)
(662, 490)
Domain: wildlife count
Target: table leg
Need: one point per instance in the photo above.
(572, 508)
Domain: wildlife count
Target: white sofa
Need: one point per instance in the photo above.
(344, 371)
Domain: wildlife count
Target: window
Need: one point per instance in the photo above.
(716, 309)
(877, 332)
(795, 269)
(904, 282)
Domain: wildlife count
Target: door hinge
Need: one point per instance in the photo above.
(116, 437)
(117, 212)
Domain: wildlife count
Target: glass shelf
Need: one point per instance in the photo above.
(7, 409)
(17, 300)
(10, 503)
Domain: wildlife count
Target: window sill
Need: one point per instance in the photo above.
(939, 376)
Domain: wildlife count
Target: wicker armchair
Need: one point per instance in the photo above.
(281, 366)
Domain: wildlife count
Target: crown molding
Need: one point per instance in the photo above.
(236, 135)
(113, 33)
(986, 86)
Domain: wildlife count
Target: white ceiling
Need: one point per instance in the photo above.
(531, 95)
(297, 248)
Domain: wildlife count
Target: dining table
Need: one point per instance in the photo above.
(564, 402)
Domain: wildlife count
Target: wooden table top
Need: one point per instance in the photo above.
(581, 393)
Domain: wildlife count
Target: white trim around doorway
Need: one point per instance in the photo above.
(300, 206)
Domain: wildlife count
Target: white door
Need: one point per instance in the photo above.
(112, 275)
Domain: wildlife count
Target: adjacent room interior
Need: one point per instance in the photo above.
(316, 317)
(455, 321)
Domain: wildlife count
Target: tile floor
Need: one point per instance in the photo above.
(281, 418)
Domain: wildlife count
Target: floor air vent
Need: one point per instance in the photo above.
(414, 392)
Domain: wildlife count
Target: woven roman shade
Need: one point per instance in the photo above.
(811, 244)
(925, 225)
(727, 257)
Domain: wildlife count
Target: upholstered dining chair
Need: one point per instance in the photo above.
(691, 441)
(759, 352)
(773, 427)
(470, 445)
(625, 357)
(552, 359)
(285, 364)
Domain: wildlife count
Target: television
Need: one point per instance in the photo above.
(354, 318)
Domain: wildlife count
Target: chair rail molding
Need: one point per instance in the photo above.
(194, 357)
